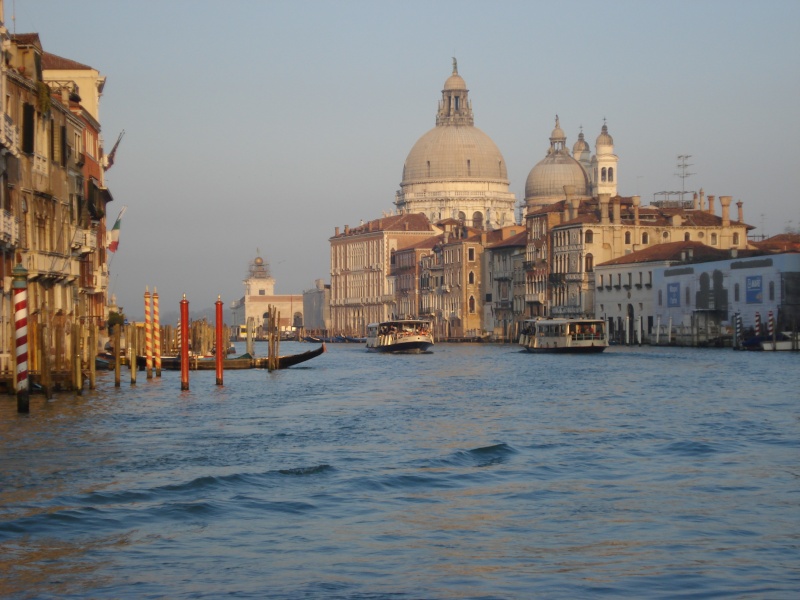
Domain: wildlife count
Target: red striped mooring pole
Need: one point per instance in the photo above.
(156, 333)
(148, 334)
(221, 349)
(184, 343)
(20, 286)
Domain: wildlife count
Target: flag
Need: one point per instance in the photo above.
(110, 156)
(113, 235)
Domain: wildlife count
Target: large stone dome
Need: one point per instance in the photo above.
(455, 170)
(454, 152)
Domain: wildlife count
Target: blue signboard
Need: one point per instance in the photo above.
(673, 294)
(755, 290)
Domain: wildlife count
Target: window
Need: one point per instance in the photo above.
(736, 292)
(665, 235)
(661, 297)
(477, 220)
(713, 239)
(736, 239)
(589, 236)
(471, 254)
(687, 295)
(610, 174)
(687, 237)
(627, 237)
(772, 290)
(645, 238)
(603, 174)
(472, 304)
(471, 277)
(589, 263)
(27, 128)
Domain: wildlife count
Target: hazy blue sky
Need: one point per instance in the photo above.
(264, 125)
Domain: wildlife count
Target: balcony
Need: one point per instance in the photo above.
(9, 230)
(10, 135)
(84, 241)
(52, 266)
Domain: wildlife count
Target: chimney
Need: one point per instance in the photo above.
(604, 198)
(695, 201)
(347, 229)
(725, 202)
(565, 215)
(569, 206)
(336, 232)
(617, 212)
(636, 201)
(483, 238)
(405, 226)
(702, 199)
(710, 204)
(739, 205)
(446, 237)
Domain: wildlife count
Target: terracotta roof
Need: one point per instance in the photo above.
(674, 251)
(515, 241)
(27, 39)
(405, 222)
(58, 63)
(783, 242)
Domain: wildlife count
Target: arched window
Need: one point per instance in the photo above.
(713, 239)
(645, 238)
(461, 216)
(589, 236)
(589, 263)
(471, 277)
(687, 237)
(610, 174)
(736, 239)
(472, 304)
(627, 237)
(477, 220)
(603, 174)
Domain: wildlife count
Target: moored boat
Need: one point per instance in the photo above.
(564, 335)
(400, 335)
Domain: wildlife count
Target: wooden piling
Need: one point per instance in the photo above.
(117, 354)
(92, 354)
(43, 346)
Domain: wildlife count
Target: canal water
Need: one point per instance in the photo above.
(476, 471)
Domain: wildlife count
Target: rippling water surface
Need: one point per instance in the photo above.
(473, 472)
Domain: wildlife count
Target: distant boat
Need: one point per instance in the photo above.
(564, 335)
(400, 336)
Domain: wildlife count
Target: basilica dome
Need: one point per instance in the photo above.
(546, 180)
(454, 152)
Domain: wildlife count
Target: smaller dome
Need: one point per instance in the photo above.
(604, 139)
(455, 82)
(258, 261)
(581, 145)
(547, 179)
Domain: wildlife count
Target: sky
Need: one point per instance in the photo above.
(256, 128)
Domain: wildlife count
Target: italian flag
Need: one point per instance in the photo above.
(113, 235)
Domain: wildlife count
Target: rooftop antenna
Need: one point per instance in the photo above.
(683, 164)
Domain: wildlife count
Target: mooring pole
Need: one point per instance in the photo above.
(148, 334)
(221, 348)
(117, 354)
(20, 286)
(156, 333)
(184, 343)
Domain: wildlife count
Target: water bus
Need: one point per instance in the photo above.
(400, 335)
(564, 335)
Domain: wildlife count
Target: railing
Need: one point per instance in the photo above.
(52, 265)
